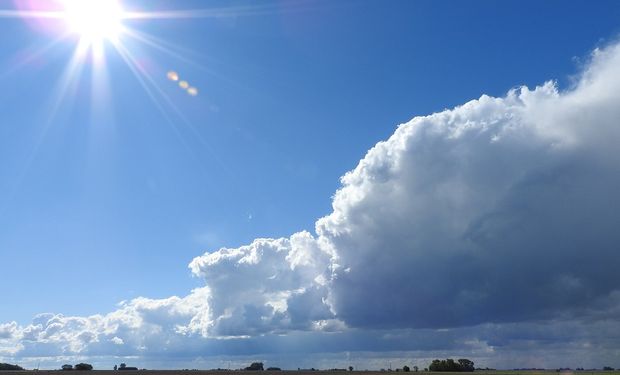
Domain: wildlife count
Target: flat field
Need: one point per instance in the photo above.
(295, 372)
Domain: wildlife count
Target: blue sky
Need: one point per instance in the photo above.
(108, 192)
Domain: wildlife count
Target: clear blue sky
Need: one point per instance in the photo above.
(105, 200)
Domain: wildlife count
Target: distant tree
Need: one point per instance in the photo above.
(449, 365)
(274, 369)
(425, 369)
(437, 365)
(83, 367)
(415, 368)
(452, 366)
(9, 367)
(350, 368)
(406, 368)
(466, 365)
(115, 367)
(66, 367)
(607, 368)
(124, 367)
(255, 366)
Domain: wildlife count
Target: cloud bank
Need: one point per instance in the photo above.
(488, 229)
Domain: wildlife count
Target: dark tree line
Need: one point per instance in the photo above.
(256, 366)
(124, 367)
(450, 365)
(9, 367)
(78, 367)
(83, 367)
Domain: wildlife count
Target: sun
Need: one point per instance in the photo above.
(94, 21)
(96, 28)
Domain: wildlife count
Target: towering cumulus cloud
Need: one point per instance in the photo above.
(500, 210)
(494, 221)
(268, 286)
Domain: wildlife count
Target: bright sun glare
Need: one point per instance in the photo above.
(94, 20)
(97, 25)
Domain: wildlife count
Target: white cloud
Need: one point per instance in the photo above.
(9, 339)
(7, 330)
(138, 325)
(500, 210)
(475, 229)
(269, 285)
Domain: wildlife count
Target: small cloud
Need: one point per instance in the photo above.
(117, 341)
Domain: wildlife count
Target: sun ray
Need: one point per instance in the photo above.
(100, 91)
(169, 49)
(67, 80)
(147, 80)
(31, 56)
(142, 79)
(97, 21)
(101, 23)
(206, 13)
(25, 14)
(70, 76)
(162, 46)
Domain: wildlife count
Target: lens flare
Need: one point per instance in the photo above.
(184, 85)
(173, 76)
(192, 91)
